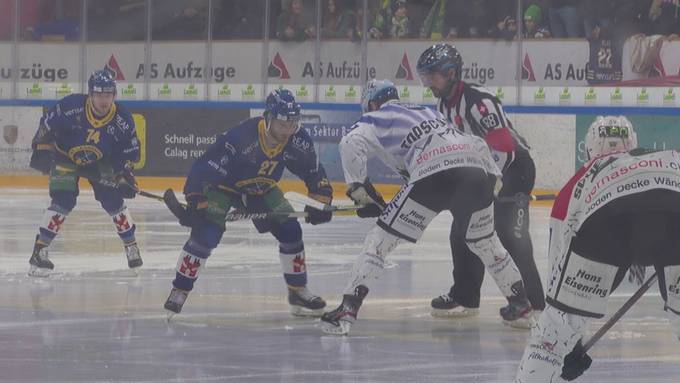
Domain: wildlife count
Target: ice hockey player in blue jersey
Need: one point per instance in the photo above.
(241, 171)
(90, 136)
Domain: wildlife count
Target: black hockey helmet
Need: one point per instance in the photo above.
(440, 58)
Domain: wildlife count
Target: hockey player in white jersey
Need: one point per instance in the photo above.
(621, 208)
(443, 169)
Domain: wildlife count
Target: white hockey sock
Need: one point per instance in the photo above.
(371, 262)
(552, 338)
(497, 261)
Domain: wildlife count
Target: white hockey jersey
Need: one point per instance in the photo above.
(414, 141)
(601, 181)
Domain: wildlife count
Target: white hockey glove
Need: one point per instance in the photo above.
(365, 194)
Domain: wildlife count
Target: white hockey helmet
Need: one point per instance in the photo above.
(608, 134)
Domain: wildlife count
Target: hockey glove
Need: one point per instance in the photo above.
(197, 206)
(127, 184)
(314, 216)
(365, 194)
(42, 160)
(575, 363)
(636, 274)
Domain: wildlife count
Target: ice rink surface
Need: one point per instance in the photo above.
(94, 321)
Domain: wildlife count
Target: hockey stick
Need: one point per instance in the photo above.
(178, 209)
(112, 184)
(311, 202)
(521, 198)
(577, 361)
(617, 315)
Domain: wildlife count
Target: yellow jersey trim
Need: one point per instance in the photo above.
(262, 131)
(93, 120)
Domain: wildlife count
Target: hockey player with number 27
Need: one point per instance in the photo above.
(91, 136)
(444, 169)
(622, 208)
(242, 170)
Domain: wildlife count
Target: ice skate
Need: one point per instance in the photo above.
(305, 304)
(41, 266)
(444, 306)
(518, 313)
(339, 321)
(133, 257)
(175, 301)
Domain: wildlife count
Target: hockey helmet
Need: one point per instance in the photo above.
(102, 81)
(439, 58)
(608, 134)
(378, 91)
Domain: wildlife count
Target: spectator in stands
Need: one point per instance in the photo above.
(565, 20)
(504, 16)
(338, 20)
(295, 23)
(116, 20)
(239, 19)
(60, 23)
(189, 23)
(665, 17)
(400, 25)
(598, 15)
(533, 29)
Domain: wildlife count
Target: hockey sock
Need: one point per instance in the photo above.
(190, 261)
(292, 257)
(497, 261)
(52, 220)
(125, 226)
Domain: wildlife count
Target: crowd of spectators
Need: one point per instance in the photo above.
(296, 20)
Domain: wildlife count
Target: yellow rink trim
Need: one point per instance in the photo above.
(177, 183)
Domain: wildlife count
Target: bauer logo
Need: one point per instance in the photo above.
(404, 70)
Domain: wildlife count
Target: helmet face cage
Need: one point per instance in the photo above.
(608, 134)
(378, 91)
(439, 58)
(101, 81)
(281, 105)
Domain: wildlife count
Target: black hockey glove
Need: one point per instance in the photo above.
(324, 194)
(575, 363)
(197, 206)
(127, 184)
(42, 160)
(365, 194)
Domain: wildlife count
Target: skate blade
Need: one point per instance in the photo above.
(299, 311)
(465, 313)
(523, 323)
(341, 330)
(38, 272)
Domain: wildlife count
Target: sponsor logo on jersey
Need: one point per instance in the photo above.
(423, 128)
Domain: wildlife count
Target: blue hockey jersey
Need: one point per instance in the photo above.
(80, 136)
(239, 162)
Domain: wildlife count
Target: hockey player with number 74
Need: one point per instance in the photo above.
(444, 169)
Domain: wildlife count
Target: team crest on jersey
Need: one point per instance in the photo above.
(83, 155)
